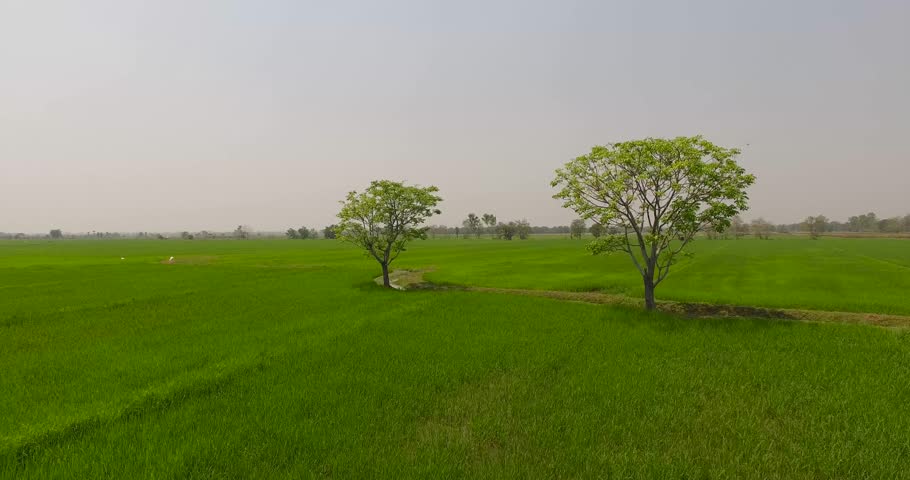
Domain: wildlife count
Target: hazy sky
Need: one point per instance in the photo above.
(171, 115)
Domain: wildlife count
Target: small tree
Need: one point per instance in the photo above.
(490, 221)
(762, 228)
(523, 229)
(385, 217)
(659, 193)
(577, 228)
(292, 234)
(329, 232)
(242, 231)
(597, 230)
(56, 233)
(472, 224)
(506, 230)
(815, 225)
(739, 227)
(712, 234)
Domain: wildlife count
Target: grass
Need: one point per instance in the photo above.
(833, 274)
(283, 359)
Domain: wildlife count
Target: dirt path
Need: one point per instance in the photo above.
(413, 280)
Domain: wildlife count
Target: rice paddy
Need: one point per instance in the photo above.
(283, 359)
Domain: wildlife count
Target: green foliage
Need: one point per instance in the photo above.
(658, 193)
(506, 231)
(597, 230)
(302, 233)
(329, 232)
(385, 217)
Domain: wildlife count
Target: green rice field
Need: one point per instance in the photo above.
(284, 359)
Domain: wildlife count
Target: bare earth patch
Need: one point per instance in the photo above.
(413, 280)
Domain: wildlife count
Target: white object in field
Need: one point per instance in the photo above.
(122, 258)
(171, 260)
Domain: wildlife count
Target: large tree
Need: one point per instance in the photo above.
(657, 194)
(385, 217)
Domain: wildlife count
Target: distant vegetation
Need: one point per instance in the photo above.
(302, 233)
(758, 227)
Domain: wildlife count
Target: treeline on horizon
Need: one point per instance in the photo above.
(487, 225)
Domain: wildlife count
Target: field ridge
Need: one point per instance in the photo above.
(413, 279)
(711, 310)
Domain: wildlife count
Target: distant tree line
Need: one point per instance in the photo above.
(866, 223)
(302, 233)
(814, 226)
(487, 224)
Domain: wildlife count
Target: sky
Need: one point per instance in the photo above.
(188, 115)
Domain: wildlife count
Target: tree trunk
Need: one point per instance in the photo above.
(385, 275)
(650, 304)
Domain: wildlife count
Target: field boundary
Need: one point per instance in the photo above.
(710, 310)
(413, 280)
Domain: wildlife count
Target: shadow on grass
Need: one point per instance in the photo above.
(669, 321)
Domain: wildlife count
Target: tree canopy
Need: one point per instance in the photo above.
(385, 217)
(657, 194)
(472, 224)
(816, 225)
